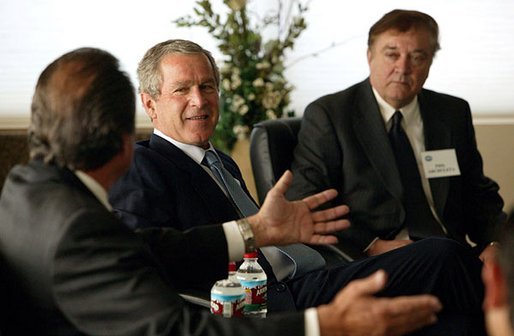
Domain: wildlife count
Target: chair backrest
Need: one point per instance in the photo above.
(272, 145)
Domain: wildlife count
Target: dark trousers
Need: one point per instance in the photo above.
(437, 266)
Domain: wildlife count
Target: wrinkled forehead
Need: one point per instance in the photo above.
(418, 39)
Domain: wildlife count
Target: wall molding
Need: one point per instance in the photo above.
(143, 122)
(493, 120)
(21, 123)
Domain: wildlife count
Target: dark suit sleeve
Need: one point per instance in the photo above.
(482, 204)
(317, 157)
(141, 199)
(317, 166)
(106, 281)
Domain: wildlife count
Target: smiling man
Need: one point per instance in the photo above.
(178, 86)
(403, 158)
(186, 79)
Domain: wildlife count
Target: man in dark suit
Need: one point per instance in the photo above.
(72, 268)
(169, 186)
(347, 141)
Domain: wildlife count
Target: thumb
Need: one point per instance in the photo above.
(283, 183)
(371, 284)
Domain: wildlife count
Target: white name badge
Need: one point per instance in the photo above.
(440, 163)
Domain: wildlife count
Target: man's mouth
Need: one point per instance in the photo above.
(201, 117)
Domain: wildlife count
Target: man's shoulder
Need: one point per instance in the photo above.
(345, 94)
(435, 96)
(39, 187)
(156, 153)
(340, 102)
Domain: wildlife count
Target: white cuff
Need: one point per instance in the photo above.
(311, 322)
(235, 242)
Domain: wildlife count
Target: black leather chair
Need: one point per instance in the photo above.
(272, 145)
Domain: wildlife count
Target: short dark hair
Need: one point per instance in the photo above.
(82, 106)
(149, 71)
(403, 21)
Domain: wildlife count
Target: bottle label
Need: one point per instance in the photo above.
(227, 305)
(256, 293)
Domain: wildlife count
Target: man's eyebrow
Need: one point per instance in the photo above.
(420, 51)
(389, 47)
(181, 83)
(207, 80)
(190, 82)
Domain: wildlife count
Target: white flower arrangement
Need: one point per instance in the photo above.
(253, 86)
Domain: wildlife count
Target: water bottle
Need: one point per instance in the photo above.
(232, 273)
(228, 296)
(254, 281)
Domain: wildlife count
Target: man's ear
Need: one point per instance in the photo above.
(149, 105)
(368, 55)
(495, 286)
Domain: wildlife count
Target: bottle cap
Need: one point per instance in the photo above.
(250, 255)
(232, 266)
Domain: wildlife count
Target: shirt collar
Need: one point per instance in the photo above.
(94, 187)
(408, 111)
(194, 152)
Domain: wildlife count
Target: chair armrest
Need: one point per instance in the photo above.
(197, 298)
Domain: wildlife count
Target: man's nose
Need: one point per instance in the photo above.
(403, 65)
(196, 97)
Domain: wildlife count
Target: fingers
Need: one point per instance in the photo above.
(402, 304)
(405, 314)
(331, 226)
(322, 240)
(367, 286)
(316, 200)
(329, 214)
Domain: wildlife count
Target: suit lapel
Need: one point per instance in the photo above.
(214, 200)
(371, 133)
(437, 136)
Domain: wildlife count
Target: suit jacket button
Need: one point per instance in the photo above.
(280, 287)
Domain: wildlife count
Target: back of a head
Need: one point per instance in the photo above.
(82, 106)
(403, 21)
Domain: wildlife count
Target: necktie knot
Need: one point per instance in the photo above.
(230, 184)
(397, 121)
(211, 159)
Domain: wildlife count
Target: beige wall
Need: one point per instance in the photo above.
(496, 144)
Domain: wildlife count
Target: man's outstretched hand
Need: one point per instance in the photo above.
(282, 222)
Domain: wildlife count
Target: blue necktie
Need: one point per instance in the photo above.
(419, 219)
(286, 261)
(240, 198)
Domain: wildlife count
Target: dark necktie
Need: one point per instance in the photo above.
(286, 261)
(240, 198)
(419, 219)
